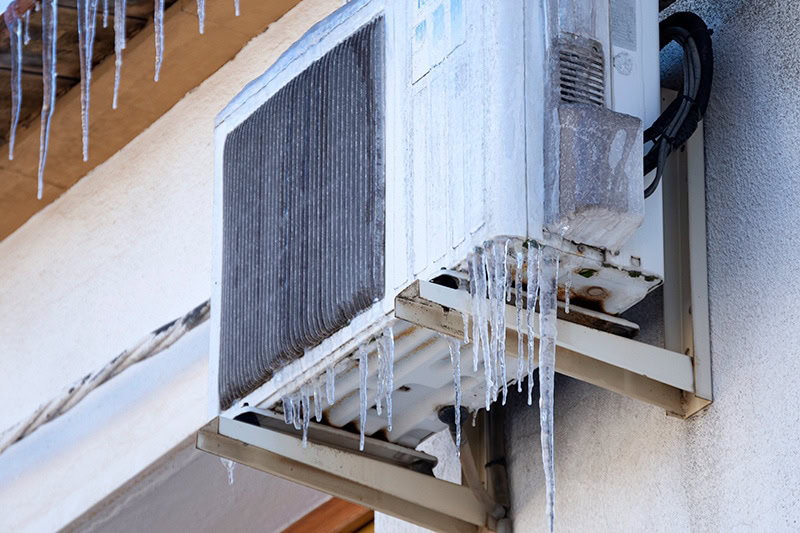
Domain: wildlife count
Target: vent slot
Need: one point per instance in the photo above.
(303, 214)
(581, 71)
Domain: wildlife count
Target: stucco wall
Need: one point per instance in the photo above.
(624, 466)
(124, 251)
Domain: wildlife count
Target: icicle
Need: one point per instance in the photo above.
(518, 304)
(465, 320)
(477, 301)
(236, 7)
(37, 6)
(484, 311)
(388, 335)
(363, 362)
(548, 306)
(15, 37)
(201, 14)
(502, 288)
(297, 416)
(49, 43)
(229, 466)
(455, 359)
(119, 44)
(381, 376)
(474, 418)
(158, 22)
(330, 384)
(317, 400)
(305, 395)
(567, 290)
(87, 23)
(490, 262)
(533, 289)
(288, 410)
(27, 38)
(105, 13)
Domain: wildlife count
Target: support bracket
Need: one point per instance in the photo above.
(350, 475)
(641, 371)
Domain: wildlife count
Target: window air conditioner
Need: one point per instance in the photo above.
(389, 143)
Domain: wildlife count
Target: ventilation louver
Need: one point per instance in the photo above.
(303, 222)
(581, 71)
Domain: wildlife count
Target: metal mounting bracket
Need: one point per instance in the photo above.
(361, 478)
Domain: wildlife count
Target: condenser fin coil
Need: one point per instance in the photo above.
(303, 213)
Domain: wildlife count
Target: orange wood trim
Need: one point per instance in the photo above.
(333, 516)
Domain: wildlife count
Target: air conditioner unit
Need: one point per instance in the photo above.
(388, 144)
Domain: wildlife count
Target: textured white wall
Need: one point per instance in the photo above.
(440, 445)
(624, 466)
(124, 251)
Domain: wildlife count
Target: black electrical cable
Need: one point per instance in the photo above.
(679, 121)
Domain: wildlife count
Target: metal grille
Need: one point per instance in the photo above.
(303, 222)
(581, 71)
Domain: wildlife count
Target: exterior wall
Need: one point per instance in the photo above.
(123, 252)
(126, 250)
(624, 466)
(441, 446)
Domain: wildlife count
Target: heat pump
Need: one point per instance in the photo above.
(384, 147)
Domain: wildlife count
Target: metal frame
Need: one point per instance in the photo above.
(350, 475)
(677, 379)
(686, 312)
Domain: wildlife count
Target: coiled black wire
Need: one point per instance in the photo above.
(679, 121)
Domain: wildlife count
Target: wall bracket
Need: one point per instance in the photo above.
(348, 474)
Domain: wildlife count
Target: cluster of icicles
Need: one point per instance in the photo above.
(496, 274)
(18, 28)
(297, 407)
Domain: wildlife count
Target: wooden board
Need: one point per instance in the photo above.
(333, 516)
